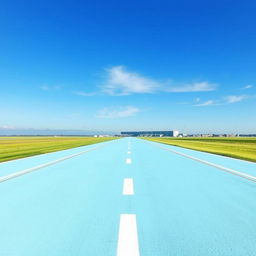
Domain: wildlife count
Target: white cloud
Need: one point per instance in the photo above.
(249, 86)
(194, 87)
(85, 94)
(233, 98)
(7, 127)
(205, 104)
(122, 82)
(50, 88)
(224, 101)
(118, 113)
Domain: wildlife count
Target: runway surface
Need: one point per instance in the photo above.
(127, 197)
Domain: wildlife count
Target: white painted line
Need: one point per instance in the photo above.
(220, 167)
(129, 152)
(128, 187)
(128, 160)
(128, 244)
(35, 168)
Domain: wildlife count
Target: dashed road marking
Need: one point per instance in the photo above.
(128, 188)
(128, 160)
(129, 152)
(128, 244)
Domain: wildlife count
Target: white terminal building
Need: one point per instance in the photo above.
(175, 133)
(151, 133)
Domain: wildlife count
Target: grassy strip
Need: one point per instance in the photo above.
(19, 147)
(241, 148)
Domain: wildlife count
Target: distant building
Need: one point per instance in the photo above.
(151, 134)
(175, 133)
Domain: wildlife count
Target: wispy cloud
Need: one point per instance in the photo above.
(205, 104)
(85, 94)
(249, 86)
(193, 87)
(122, 82)
(224, 101)
(50, 88)
(234, 98)
(118, 113)
(7, 127)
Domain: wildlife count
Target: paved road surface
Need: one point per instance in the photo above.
(127, 197)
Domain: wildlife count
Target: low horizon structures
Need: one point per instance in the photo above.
(150, 134)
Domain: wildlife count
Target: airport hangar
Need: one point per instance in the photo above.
(151, 134)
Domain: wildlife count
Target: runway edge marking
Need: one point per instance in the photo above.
(19, 173)
(237, 173)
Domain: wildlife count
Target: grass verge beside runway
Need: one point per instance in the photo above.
(241, 148)
(19, 147)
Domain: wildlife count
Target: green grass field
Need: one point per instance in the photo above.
(19, 147)
(242, 148)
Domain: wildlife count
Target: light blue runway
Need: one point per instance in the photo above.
(73, 208)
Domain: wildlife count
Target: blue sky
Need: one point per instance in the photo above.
(125, 65)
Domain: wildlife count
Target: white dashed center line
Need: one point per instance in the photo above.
(128, 244)
(128, 187)
(128, 237)
(128, 160)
